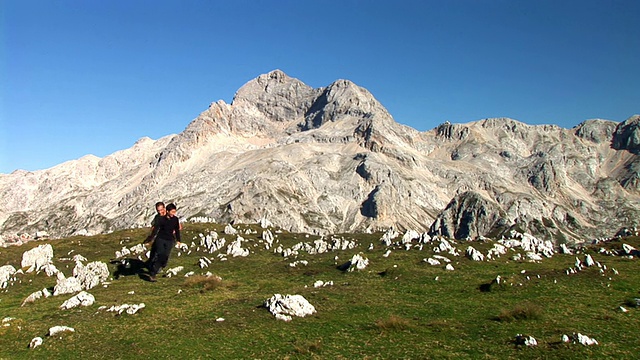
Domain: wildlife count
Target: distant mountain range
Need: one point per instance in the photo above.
(332, 159)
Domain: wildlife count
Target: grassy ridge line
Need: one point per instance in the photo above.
(404, 313)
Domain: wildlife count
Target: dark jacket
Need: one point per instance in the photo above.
(167, 227)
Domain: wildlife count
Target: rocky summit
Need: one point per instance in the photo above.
(331, 160)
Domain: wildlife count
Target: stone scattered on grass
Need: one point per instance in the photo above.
(35, 342)
(526, 340)
(284, 307)
(36, 295)
(174, 271)
(36, 258)
(321, 283)
(55, 330)
(92, 274)
(357, 262)
(578, 338)
(83, 298)
(6, 274)
(129, 309)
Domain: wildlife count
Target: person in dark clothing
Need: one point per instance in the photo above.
(167, 228)
(161, 212)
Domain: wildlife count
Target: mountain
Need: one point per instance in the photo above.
(333, 159)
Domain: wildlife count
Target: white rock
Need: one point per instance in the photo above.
(526, 340)
(449, 267)
(130, 309)
(174, 271)
(83, 298)
(474, 254)
(589, 260)
(68, 285)
(358, 262)
(6, 272)
(235, 248)
(283, 307)
(37, 258)
(409, 236)
(432, 261)
(229, 230)
(32, 298)
(628, 249)
(35, 342)
(578, 338)
(565, 250)
(55, 330)
(92, 274)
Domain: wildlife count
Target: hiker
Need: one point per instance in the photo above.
(167, 227)
(161, 211)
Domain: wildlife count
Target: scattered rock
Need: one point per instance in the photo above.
(357, 262)
(577, 338)
(284, 307)
(35, 342)
(6, 273)
(65, 285)
(526, 340)
(130, 309)
(92, 274)
(36, 258)
(83, 298)
(53, 331)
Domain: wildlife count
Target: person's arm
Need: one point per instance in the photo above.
(154, 226)
(177, 230)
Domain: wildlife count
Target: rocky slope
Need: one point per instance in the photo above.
(334, 160)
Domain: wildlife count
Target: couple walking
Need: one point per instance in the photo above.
(165, 232)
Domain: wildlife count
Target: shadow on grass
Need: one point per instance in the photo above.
(129, 267)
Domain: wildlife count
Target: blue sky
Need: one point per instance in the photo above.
(92, 77)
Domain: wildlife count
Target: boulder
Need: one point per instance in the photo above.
(66, 285)
(35, 342)
(284, 307)
(83, 298)
(37, 258)
(55, 330)
(6, 273)
(92, 274)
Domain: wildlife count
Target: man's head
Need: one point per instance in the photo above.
(160, 209)
(172, 210)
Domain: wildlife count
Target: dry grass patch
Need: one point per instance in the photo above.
(205, 283)
(524, 311)
(393, 322)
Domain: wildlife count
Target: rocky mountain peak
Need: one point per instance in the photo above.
(276, 95)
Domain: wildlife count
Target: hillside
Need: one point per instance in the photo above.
(400, 305)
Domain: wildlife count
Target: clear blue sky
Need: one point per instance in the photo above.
(92, 77)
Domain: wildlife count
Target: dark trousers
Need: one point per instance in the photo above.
(160, 254)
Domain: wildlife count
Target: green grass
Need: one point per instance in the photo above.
(393, 309)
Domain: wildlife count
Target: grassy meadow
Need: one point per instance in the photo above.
(399, 307)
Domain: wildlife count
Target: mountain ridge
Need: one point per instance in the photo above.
(333, 159)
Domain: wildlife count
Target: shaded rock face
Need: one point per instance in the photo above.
(469, 215)
(627, 135)
(332, 160)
